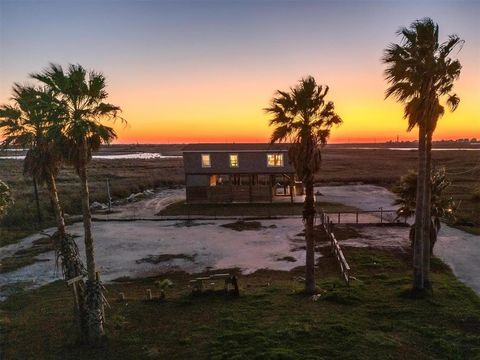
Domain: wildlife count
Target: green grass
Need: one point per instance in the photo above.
(27, 256)
(475, 230)
(375, 318)
(11, 236)
(250, 210)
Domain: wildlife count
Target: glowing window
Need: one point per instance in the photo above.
(206, 160)
(213, 180)
(274, 160)
(233, 160)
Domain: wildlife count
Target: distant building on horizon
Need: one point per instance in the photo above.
(239, 172)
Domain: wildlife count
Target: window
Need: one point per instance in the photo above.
(206, 161)
(233, 160)
(274, 160)
(213, 180)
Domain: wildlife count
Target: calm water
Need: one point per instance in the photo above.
(142, 156)
(405, 148)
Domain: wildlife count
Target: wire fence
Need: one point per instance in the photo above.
(137, 212)
(380, 216)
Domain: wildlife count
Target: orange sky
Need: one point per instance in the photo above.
(205, 114)
(203, 71)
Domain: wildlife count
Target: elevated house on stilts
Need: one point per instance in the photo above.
(239, 172)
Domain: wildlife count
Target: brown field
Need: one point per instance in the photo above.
(373, 166)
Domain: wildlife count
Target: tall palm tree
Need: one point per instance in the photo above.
(420, 73)
(442, 207)
(27, 123)
(303, 117)
(83, 96)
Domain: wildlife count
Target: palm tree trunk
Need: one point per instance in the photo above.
(93, 290)
(87, 224)
(57, 208)
(64, 244)
(309, 215)
(418, 282)
(67, 251)
(427, 200)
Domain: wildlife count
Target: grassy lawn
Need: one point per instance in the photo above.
(11, 236)
(375, 318)
(250, 210)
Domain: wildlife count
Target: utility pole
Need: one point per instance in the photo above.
(109, 196)
(37, 201)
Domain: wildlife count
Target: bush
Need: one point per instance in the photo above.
(23, 214)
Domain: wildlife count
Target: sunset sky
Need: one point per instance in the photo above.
(202, 71)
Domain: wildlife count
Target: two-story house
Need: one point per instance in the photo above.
(238, 172)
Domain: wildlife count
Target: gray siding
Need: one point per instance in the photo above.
(249, 163)
(198, 180)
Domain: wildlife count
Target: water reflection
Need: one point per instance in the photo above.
(142, 156)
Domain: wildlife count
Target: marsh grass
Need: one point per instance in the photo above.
(126, 177)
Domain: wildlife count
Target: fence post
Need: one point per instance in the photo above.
(109, 195)
(356, 217)
(381, 215)
(338, 218)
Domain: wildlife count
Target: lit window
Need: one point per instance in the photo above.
(274, 160)
(206, 160)
(213, 180)
(233, 160)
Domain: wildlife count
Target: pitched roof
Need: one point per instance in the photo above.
(220, 147)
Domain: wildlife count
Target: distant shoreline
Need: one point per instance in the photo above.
(172, 151)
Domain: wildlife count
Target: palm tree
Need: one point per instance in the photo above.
(442, 207)
(420, 72)
(83, 96)
(27, 124)
(5, 198)
(304, 118)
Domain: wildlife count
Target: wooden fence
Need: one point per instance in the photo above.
(327, 225)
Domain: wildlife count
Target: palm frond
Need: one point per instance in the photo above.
(419, 72)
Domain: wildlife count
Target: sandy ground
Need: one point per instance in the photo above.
(146, 208)
(122, 247)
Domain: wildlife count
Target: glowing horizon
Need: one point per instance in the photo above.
(203, 71)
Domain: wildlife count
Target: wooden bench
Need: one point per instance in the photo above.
(198, 284)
